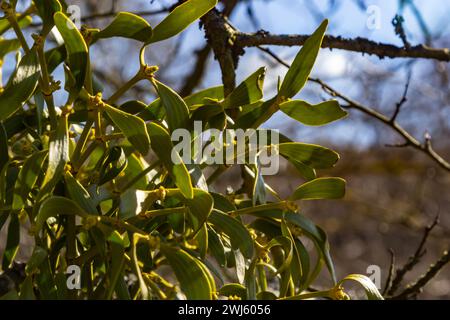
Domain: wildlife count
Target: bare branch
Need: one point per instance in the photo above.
(359, 44)
(413, 289)
(389, 279)
(413, 260)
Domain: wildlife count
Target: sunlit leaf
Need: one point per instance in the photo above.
(192, 276)
(303, 63)
(181, 17)
(127, 25)
(21, 86)
(313, 115)
(320, 188)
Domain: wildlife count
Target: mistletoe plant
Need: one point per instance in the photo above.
(95, 184)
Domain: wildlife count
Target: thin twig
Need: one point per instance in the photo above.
(413, 260)
(388, 284)
(414, 289)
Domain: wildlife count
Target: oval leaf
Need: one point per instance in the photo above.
(313, 115)
(320, 188)
(21, 86)
(127, 25)
(303, 63)
(132, 127)
(77, 50)
(194, 278)
(181, 17)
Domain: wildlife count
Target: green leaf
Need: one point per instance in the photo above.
(12, 241)
(180, 18)
(194, 278)
(77, 50)
(216, 247)
(28, 176)
(200, 207)
(309, 154)
(7, 46)
(37, 258)
(198, 97)
(133, 106)
(303, 63)
(4, 156)
(176, 109)
(46, 9)
(233, 289)
(113, 163)
(320, 188)
(53, 206)
(21, 86)
(79, 194)
(313, 115)
(127, 25)
(132, 127)
(58, 156)
(248, 92)
(316, 234)
(370, 288)
(163, 147)
(239, 235)
(26, 289)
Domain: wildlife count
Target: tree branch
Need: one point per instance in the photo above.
(359, 44)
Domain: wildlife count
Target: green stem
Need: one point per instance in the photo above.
(15, 25)
(139, 176)
(127, 86)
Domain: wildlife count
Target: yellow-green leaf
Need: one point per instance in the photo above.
(127, 25)
(180, 18)
(314, 156)
(163, 147)
(28, 176)
(240, 237)
(54, 206)
(248, 92)
(320, 188)
(313, 115)
(194, 278)
(21, 86)
(132, 127)
(370, 288)
(77, 50)
(176, 109)
(303, 63)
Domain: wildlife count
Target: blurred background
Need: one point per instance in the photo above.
(393, 193)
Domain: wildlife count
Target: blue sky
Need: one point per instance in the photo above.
(337, 67)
